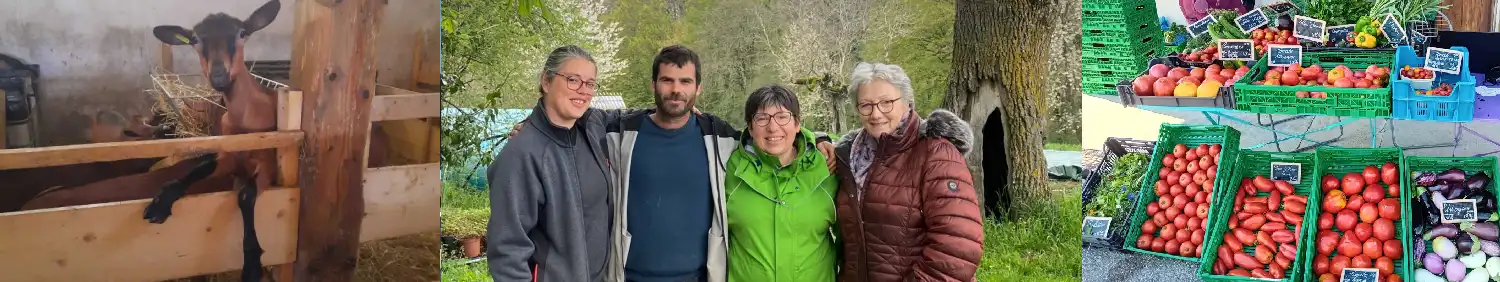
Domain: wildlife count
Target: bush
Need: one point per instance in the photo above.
(464, 223)
(458, 196)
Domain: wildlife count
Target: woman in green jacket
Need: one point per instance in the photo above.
(780, 197)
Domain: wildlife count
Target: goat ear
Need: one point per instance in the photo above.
(262, 17)
(174, 35)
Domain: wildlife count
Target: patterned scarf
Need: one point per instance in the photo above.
(862, 152)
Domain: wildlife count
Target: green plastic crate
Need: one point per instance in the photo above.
(1136, 45)
(1121, 39)
(1340, 161)
(1487, 164)
(1356, 102)
(1137, 12)
(1349, 56)
(1144, 53)
(1250, 164)
(1189, 135)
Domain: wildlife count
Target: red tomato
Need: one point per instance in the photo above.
(1353, 184)
(1371, 174)
(1384, 229)
(1389, 174)
(1330, 182)
(1390, 209)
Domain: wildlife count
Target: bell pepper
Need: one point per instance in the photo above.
(1364, 40)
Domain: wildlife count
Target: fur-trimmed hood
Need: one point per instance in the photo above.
(939, 123)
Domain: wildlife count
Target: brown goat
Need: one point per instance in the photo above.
(220, 42)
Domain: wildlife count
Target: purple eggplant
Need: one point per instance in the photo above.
(1465, 243)
(1489, 247)
(1424, 179)
(1456, 192)
(1447, 230)
(1432, 262)
(1452, 175)
(1485, 230)
(1419, 248)
(1485, 201)
(1479, 181)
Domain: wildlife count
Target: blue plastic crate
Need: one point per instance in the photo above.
(1406, 104)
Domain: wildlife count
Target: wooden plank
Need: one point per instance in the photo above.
(165, 57)
(400, 201)
(288, 117)
(382, 90)
(110, 241)
(114, 151)
(404, 106)
(333, 64)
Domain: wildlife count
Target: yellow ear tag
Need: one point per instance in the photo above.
(184, 39)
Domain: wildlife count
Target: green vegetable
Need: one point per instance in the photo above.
(1339, 12)
(1127, 173)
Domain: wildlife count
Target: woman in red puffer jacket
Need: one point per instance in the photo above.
(906, 201)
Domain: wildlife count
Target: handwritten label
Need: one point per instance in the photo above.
(1252, 20)
(1201, 26)
(1096, 227)
(1392, 29)
(1340, 33)
(1283, 7)
(1281, 55)
(1444, 60)
(1360, 275)
(1289, 172)
(1417, 38)
(1308, 28)
(1236, 50)
(1460, 210)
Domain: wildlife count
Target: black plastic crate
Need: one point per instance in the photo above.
(1128, 97)
(1114, 148)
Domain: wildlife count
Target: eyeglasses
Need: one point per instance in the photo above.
(781, 118)
(575, 82)
(885, 106)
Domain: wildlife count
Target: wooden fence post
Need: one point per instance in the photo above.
(333, 64)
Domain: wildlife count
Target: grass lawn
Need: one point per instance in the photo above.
(1042, 245)
(1064, 147)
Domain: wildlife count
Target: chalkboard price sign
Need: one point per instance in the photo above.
(1252, 20)
(1360, 275)
(1201, 26)
(1236, 50)
(1289, 172)
(1444, 60)
(1096, 227)
(1417, 38)
(1283, 7)
(1339, 33)
(1392, 29)
(1284, 55)
(1460, 210)
(1308, 28)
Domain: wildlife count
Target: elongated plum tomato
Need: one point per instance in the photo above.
(1330, 182)
(1353, 184)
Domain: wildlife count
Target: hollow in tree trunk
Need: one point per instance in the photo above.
(999, 48)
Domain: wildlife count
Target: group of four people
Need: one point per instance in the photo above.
(671, 194)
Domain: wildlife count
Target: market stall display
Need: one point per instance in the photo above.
(1109, 189)
(1448, 243)
(1178, 189)
(1355, 215)
(1422, 94)
(1171, 81)
(1259, 237)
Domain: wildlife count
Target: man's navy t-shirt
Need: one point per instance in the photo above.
(670, 208)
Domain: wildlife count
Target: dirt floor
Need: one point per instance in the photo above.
(409, 258)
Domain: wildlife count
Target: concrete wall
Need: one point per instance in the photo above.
(98, 54)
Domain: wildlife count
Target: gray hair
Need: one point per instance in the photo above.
(864, 73)
(555, 60)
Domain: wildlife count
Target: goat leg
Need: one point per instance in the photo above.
(161, 206)
(252, 271)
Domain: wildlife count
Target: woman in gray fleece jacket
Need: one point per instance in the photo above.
(550, 200)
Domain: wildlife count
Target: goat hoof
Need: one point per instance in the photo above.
(158, 211)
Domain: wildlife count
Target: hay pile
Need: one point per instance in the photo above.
(184, 103)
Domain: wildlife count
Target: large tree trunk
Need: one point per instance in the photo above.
(998, 46)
